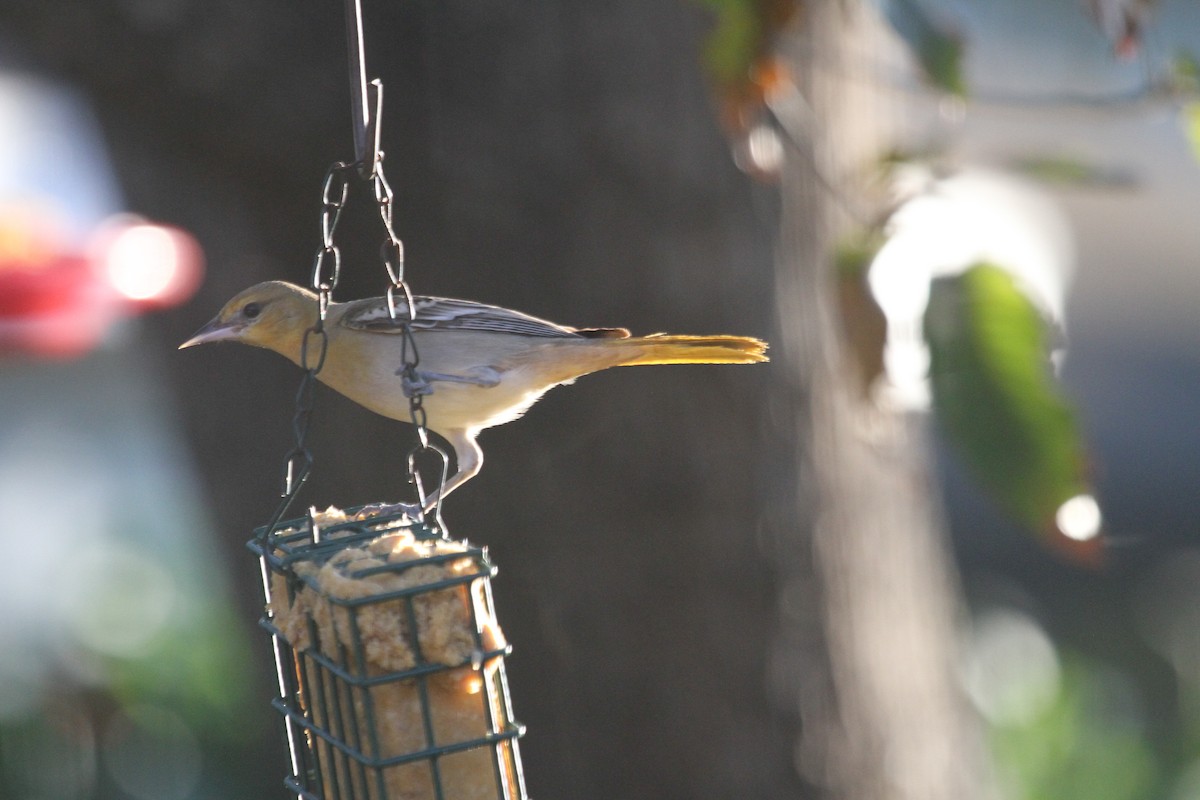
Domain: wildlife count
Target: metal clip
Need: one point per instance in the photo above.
(366, 99)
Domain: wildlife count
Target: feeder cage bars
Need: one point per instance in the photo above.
(390, 660)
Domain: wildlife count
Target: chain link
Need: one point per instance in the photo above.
(392, 249)
(327, 266)
(327, 269)
(415, 387)
(314, 347)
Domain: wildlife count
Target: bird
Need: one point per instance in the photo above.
(478, 365)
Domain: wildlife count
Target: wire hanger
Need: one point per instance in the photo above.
(366, 98)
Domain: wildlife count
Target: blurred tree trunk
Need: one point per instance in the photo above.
(882, 715)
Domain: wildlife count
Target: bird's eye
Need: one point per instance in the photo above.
(251, 310)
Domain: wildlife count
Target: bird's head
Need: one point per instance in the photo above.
(273, 315)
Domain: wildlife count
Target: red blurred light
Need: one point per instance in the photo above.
(62, 304)
(153, 266)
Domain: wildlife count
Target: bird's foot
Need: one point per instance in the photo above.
(414, 383)
(419, 382)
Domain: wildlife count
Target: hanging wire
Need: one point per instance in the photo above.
(366, 108)
(366, 98)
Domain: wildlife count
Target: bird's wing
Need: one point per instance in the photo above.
(446, 314)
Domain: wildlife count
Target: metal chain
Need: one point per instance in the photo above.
(327, 268)
(392, 249)
(314, 347)
(414, 386)
(392, 254)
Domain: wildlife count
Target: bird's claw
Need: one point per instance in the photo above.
(414, 384)
(417, 382)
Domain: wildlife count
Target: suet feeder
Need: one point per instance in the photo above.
(390, 660)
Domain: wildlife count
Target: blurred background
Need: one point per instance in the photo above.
(814, 578)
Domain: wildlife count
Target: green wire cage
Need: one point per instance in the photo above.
(390, 660)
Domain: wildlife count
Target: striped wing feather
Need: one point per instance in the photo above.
(447, 314)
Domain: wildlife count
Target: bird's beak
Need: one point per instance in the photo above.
(215, 331)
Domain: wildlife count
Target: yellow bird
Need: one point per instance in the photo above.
(479, 365)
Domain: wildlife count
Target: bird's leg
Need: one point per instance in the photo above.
(414, 383)
(468, 457)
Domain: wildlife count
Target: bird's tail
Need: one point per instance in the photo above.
(662, 348)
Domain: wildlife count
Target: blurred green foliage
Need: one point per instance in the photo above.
(995, 394)
(936, 47)
(1191, 123)
(1074, 171)
(735, 40)
(198, 670)
(1089, 743)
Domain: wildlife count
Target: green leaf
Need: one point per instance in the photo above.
(996, 397)
(1191, 124)
(937, 48)
(1184, 72)
(735, 40)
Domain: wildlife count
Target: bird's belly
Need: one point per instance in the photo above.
(449, 404)
(464, 393)
(477, 407)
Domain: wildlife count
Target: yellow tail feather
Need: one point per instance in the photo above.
(672, 349)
